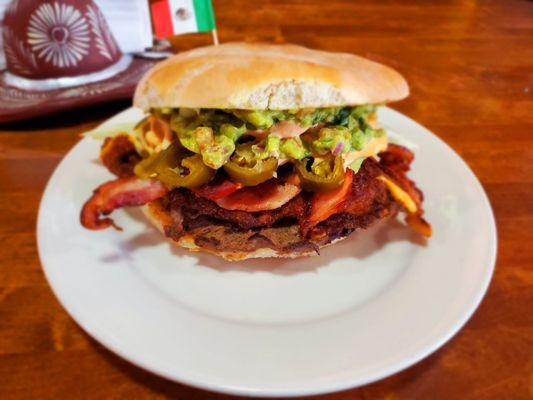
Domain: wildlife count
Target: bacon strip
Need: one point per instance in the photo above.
(119, 155)
(269, 195)
(396, 161)
(218, 189)
(115, 194)
(324, 205)
(396, 158)
(419, 224)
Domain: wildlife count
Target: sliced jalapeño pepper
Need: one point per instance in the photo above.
(251, 174)
(168, 158)
(323, 176)
(191, 174)
(175, 168)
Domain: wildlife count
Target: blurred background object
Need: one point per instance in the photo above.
(129, 21)
(175, 17)
(61, 55)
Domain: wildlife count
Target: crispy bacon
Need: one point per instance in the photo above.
(218, 189)
(324, 205)
(396, 158)
(419, 224)
(119, 155)
(266, 196)
(115, 194)
(194, 206)
(396, 162)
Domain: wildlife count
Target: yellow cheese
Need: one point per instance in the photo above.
(399, 194)
(374, 146)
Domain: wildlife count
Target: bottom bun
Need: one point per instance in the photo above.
(161, 218)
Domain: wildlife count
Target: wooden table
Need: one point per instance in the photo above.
(470, 66)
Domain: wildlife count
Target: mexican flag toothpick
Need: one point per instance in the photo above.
(174, 17)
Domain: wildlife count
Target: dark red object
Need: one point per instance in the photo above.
(122, 192)
(61, 55)
(218, 189)
(56, 39)
(161, 18)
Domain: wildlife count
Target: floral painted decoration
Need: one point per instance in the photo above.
(57, 38)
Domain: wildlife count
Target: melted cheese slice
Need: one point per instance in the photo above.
(399, 194)
(373, 147)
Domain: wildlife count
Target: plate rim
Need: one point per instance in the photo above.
(244, 390)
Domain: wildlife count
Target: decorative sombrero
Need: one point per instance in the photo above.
(61, 54)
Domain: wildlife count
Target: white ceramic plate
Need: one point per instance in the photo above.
(366, 308)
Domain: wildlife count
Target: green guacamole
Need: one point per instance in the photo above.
(218, 135)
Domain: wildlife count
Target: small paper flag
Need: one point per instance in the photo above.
(173, 17)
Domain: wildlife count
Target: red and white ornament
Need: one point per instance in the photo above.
(57, 38)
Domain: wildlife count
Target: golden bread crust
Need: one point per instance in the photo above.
(262, 76)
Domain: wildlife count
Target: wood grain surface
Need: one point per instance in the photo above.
(470, 67)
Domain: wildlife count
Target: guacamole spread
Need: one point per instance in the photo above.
(247, 140)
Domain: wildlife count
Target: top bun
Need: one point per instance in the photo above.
(260, 76)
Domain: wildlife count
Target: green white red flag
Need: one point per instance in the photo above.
(174, 17)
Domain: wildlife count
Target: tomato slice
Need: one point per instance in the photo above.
(325, 204)
(218, 189)
(266, 196)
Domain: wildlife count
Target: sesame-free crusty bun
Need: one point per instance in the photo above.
(261, 76)
(160, 218)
